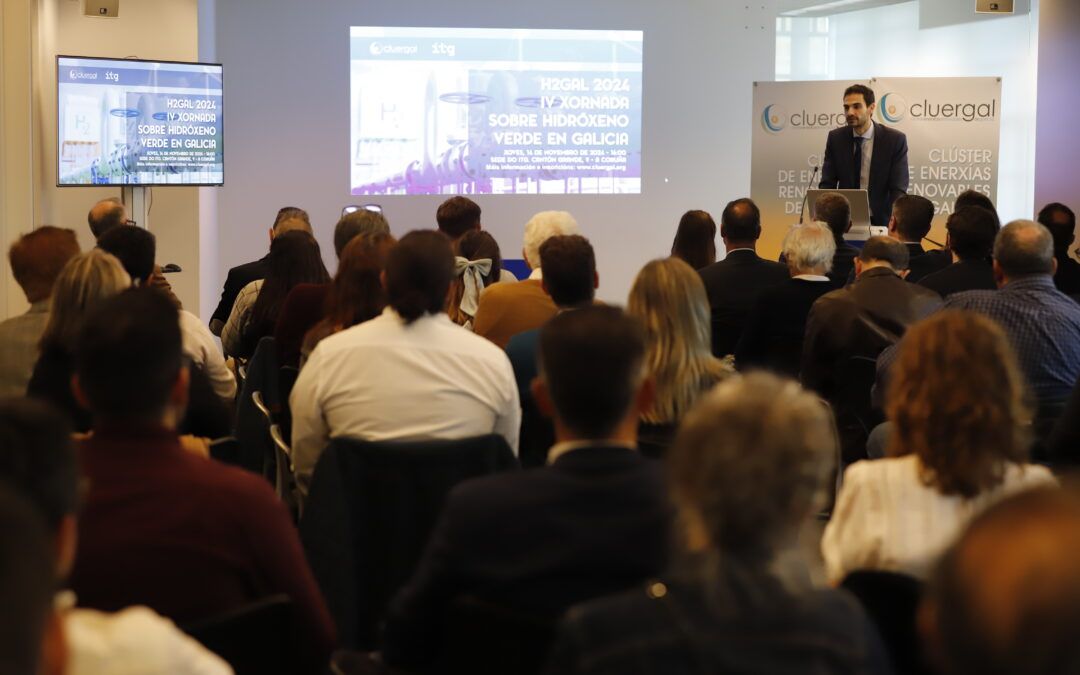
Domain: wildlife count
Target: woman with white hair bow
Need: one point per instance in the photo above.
(478, 263)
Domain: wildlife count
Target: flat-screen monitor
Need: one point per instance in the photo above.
(134, 122)
(494, 111)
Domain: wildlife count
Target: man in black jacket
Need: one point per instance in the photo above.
(971, 231)
(594, 521)
(866, 155)
(288, 218)
(1061, 221)
(734, 283)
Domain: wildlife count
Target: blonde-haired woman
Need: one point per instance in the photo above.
(86, 281)
(668, 297)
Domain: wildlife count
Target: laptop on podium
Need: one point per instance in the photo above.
(860, 213)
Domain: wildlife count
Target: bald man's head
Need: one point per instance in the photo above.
(1006, 598)
(105, 215)
(1024, 247)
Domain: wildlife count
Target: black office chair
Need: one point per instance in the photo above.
(853, 408)
(254, 411)
(254, 639)
(369, 511)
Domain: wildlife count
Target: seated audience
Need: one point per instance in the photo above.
(84, 283)
(477, 262)
(970, 240)
(1042, 323)
(727, 606)
(356, 294)
(36, 260)
(108, 214)
(508, 309)
(305, 305)
(592, 522)
(773, 338)
(408, 374)
(294, 259)
(910, 222)
(1061, 221)
(571, 281)
(188, 537)
(135, 248)
(1018, 615)
(459, 216)
(31, 637)
(669, 300)
(958, 443)
(833, 209)
(734, 283)
(288, 218)
(695, 240)
(37, 458)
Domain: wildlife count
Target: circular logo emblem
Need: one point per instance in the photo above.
(773, 118)
(893, 108)
(375, 49)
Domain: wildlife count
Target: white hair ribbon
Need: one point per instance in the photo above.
(472, 272)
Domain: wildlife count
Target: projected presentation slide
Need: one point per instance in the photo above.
(124, 122)
(496, 111)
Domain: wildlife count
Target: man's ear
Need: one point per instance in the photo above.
(79, 393)
(858, 267)
(1053, 266)
(66, 539)
(382, 278)
(595, 280)
(525, 258)
(542, 397)
(892, 225)
(850, 224)
(999, 274)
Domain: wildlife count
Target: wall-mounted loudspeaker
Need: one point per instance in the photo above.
(109, 8)
(994, 6)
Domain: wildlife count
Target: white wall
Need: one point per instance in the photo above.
(286, 118)
(887, 41)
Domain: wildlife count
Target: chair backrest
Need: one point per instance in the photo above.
(369, 512)
(891, 600)
(252, 428)
(483, 637)
(252, 639)
(855, 414)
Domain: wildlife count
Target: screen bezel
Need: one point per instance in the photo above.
(56, 156)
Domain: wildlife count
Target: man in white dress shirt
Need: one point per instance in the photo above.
(409, 374)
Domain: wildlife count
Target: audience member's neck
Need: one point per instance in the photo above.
(167, 421)
(736, 245)
(577, 305)
(625, 433)
(35, 297)
(1008, 279)
(807, 272)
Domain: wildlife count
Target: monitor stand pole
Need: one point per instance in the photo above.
(138, 206)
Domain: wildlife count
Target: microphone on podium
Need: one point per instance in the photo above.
(806, 193)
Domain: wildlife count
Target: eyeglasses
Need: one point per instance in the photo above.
(353, 208)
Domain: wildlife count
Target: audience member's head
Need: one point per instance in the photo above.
(86, 280)
(976, 198)
(458, 215)
(592, 378)
(294, 259)
(541, 226)
(356, 293)
(352, 225)
(135, 248)
(668, 298)
(1005, 599)
(129, 362)
(882, 252)
(418, 273)
(956, 401)
(37, 458)
(569, 266)
(290, 219)
(834, 209)
(809, 249)
(912, 216)
(1023, 248)
(36, 259)
(105, 215)
(1061, 221)
(695, 240)
(477, 265)
(740, 224)
(972, 230)
(745, 505)
(27, 585)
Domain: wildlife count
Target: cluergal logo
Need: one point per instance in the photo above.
(773, 119)
(892, 108)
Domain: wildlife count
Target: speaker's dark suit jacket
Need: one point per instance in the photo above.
(733, 286)
(239, 276)
(888, 168)
(594, 522)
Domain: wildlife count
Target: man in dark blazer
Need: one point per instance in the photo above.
(592, 522)
(866, 155)
(734, 283)
(971, 231)
(1061, 221)
(288, 218)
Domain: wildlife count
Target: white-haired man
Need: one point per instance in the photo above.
(773, 337)
(508, 309)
